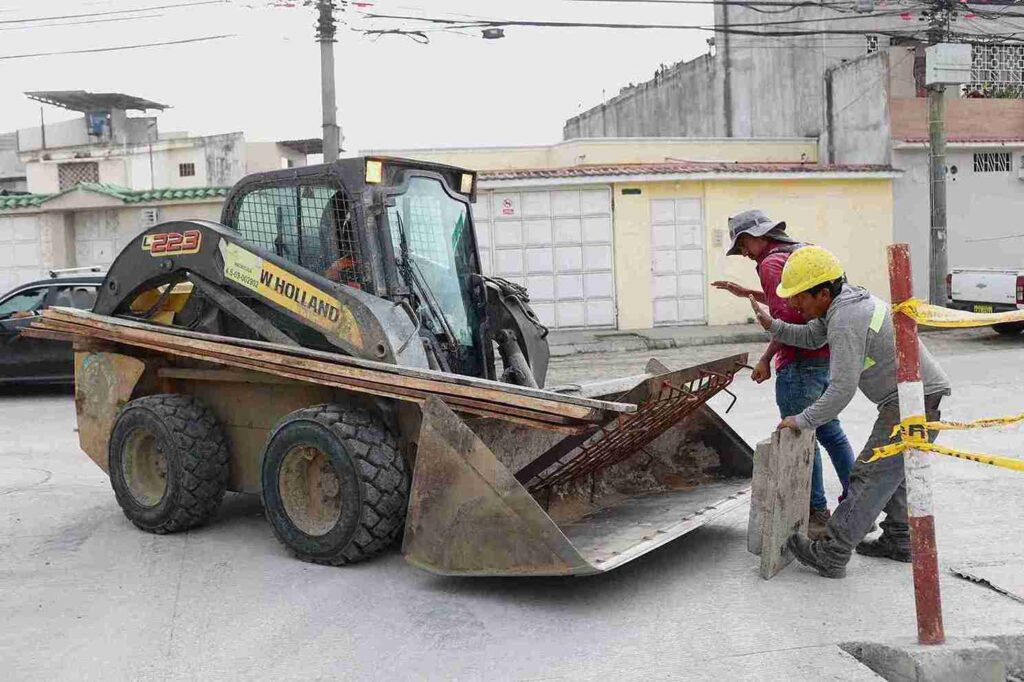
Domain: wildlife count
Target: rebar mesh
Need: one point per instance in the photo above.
(627, 434)
(310, 225)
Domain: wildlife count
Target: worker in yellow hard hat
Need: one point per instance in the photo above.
(801, 375)
(858, 329)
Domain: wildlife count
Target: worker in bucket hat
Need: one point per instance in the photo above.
(858, 329)
(801, 375)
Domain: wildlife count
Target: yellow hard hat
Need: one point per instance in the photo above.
(807, 268)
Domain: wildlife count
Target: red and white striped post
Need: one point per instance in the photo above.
(916, 463)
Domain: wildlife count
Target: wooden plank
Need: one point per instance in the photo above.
(311, 370)
(86, 317)
(788, 495)
(41, 333)
(228, 375)
(758, 483)
(493, 393)
(480, 408)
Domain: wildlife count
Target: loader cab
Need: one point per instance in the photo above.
(394, 228)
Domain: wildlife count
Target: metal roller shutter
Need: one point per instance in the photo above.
(558, 244)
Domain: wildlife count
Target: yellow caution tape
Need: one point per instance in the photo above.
(937, 316)
(993, 460)
(959, 426)
(914, 436)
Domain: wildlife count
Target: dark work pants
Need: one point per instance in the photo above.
(874, 487)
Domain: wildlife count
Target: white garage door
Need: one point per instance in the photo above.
(677, 261)
(556, 243)
(21, 254)
(97, 238)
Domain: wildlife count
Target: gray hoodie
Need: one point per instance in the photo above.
(858, 330)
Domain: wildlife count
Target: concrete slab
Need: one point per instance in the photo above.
(788, 489)
(955, 661)
(1005, 577)
(1012, 648)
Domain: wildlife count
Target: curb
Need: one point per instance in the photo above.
(635, 342)
(957, 660)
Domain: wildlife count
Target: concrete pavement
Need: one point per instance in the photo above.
(86, 596)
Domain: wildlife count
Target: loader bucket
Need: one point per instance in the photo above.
(494, 498)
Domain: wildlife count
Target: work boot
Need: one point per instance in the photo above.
(809, 553)
(816, 523)
(884, 547)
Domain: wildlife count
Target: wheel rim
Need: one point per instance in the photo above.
(145, 468)
(310, 490)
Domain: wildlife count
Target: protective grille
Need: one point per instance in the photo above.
(992, 162)
(71, 174)
(310, 225)
(996, 71)
(627, 434)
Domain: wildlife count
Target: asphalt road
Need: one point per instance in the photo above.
(84, 595)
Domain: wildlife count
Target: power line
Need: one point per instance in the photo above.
(111, 12)
(497, 23)
(115, 49)
(732, 3)
(78, 23)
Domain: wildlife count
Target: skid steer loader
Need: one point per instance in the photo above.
(333, 345)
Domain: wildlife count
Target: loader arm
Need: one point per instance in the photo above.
(260, 290)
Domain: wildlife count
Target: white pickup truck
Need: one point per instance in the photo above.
(982, 290)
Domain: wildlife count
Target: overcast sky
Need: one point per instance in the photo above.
(459, 90)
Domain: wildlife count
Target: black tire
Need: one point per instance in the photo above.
(335, 486)
(183, 434)
(1008, 328)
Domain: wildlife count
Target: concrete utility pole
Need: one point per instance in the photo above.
(938, 262)
(325, 31)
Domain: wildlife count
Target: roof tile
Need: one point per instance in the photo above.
(678, 167)
(128, 196)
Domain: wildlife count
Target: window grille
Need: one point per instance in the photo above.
(872, 43)
(71, 174)
(149, 217)
(992, 162)
(311, 225)
(996, 71)
(186, 170)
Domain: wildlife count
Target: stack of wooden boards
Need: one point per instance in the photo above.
(532, 407)
(780, 496)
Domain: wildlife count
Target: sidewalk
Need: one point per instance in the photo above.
(658, 338)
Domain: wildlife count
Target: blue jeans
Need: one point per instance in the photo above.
(797, 386)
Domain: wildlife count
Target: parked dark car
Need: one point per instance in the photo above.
(25, 359)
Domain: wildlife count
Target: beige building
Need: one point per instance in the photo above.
(605, 234)
(629, 233)
(87, 225)
(96, 181)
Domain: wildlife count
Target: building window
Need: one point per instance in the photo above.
(992, 162)
(71, 174)
(872, 43)
(186, 170)
(996, 71)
